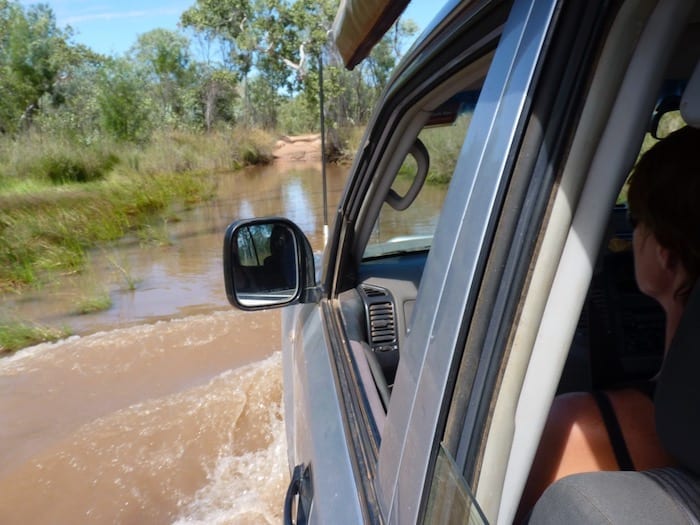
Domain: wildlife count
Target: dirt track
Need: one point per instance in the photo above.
(298, 148)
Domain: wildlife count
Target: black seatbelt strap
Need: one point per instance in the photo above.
(612, 425)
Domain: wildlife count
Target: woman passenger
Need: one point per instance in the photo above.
(614, 429)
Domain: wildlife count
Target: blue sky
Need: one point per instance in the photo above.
(111, 26)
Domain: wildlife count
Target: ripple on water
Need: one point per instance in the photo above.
(212, 454)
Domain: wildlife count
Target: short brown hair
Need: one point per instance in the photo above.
(664, 194)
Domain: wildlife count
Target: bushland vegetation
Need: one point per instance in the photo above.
(95, 147)
(92, 146)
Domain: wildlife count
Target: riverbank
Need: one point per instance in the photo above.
(176, 274)
(299, 148)
(59, 199)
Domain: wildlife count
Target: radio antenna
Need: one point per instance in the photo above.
(323, 149)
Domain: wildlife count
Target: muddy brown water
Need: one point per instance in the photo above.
(167, 408)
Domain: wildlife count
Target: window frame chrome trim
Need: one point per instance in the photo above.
(452, 272)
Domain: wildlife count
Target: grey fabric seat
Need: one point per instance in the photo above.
(668, 495)
(625, 498)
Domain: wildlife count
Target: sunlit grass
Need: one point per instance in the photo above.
(15, 335)
(100, 301)
(59, 199)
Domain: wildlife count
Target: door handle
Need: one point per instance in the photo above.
(300, 486)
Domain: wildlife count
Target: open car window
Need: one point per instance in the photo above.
(407, 226)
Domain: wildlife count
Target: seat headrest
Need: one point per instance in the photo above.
(677, 397)
(690, 101)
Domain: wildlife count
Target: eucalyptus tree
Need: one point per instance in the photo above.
(274, 41)
(275, 47)
(124, 112)
(34, 53)
(163, 57)
(216, 98)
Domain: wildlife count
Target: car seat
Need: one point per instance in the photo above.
(664, 495)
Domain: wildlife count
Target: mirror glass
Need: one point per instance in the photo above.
(265, 268)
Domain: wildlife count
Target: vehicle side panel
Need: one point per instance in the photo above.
(315, 429)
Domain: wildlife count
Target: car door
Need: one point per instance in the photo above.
(489, 346)
(485, 52)
(421, 426)
(484, 191)
(336, 378)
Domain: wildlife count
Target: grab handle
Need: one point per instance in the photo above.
(295, 489)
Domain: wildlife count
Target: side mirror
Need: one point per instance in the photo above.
(268, 263)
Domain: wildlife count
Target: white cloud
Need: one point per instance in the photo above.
(115, 15)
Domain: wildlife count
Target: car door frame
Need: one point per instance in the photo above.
(456, 261)
(589, 223)
(328, 367)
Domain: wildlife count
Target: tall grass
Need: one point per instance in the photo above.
(15, 335)
(97, 301)
(444, 144)
(60, 198)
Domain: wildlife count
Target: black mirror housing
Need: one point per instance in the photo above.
(268, 263)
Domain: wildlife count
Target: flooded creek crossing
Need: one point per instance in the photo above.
(165, 408)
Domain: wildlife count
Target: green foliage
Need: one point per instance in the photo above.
(223, 20)
(33, 54)
(214, 98)
(125, 115)
(298, 116)
(15, 335)
(263, 102)
(163, 59)
(270, 54)
(98, 302)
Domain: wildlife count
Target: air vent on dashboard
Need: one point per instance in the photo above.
(381, 318)
(373, 291)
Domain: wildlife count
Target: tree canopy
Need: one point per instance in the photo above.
(266, 73)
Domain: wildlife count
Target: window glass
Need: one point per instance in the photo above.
(412, 229)
(450, 499)
(666, 124)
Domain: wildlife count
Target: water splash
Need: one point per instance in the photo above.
(214, 453)
(247, 483)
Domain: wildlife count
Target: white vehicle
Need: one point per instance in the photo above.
(420, 366)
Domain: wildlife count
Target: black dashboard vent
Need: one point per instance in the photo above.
(373, 291)
(381, 318)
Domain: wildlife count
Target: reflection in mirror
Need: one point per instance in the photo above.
(264, 258)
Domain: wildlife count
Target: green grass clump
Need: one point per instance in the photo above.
(15, 335)
(59, 198)
(99, 302)
(179, 152)
(65, 169)
(56, 161)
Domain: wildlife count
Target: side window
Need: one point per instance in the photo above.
(409, 226)
(450, 500)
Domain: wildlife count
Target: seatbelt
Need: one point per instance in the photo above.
(612, 425)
